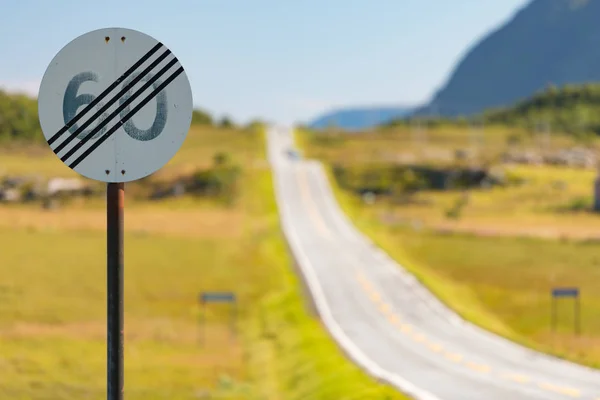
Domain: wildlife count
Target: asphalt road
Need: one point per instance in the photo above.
(389, 324)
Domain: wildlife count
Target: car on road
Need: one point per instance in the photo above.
(293, 154)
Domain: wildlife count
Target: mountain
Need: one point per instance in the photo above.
(546, 42)
(359, 118)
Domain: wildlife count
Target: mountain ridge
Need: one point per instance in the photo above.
(357, 118)
(545, 42)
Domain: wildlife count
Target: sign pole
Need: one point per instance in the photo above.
(137, 110)
(218, 297)
(203, 323)
(566, 292)
(233, 318)
(577, 317)
(115, 201)
(553, 315)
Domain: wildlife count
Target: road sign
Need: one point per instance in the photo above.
(217, 297)
(115, 105)
(565, 292)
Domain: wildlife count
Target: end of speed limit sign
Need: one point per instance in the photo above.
(115, 105)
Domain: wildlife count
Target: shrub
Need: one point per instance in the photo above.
(220, 182)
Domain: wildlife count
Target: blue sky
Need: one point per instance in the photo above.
(281, 60)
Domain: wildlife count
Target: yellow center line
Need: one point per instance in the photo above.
(558, 389)
(477, 367)
(518, 378)
(435, 347)
(316, 218)
(405, 328)
(361, 278)
(453, 356)
(393, 318)
(375, 297)
(419, 337)
(385, 308)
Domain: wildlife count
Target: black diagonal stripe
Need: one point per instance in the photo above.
(119, 109)
(112, 101)
(105, 92)
(126, 118)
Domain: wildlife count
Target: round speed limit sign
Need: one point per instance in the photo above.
(115, 105)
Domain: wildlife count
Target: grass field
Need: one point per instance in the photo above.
(551, 202)
(53, 296)
(434, 144)
(501, 282)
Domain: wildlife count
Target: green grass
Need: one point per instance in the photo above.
(503, 284)
(52, 314)
(306, 360)
(53, 297)
(500, 283)
(436, 145)
(552, 201)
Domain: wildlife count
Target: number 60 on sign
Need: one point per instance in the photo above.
(115, 105)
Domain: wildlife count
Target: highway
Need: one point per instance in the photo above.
(389, 324)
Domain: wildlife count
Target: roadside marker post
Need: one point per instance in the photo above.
(218, 297)
(566, 292)
(115, 105)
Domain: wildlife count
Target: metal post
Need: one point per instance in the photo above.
(577, 317)
(202, 322)
(115, 199)
(234, 315)
(553, 315)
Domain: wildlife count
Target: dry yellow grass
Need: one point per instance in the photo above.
(196, 222)
(403, 144)
(545, 205)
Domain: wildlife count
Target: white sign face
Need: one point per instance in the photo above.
(115, 105)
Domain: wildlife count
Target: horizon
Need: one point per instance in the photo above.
(270, 62)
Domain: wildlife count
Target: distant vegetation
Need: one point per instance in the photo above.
(200, 117)
(19, 119)
(400, 180)
(570, 109)
(573, 109)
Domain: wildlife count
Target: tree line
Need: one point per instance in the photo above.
(571, 109)
(19, 118)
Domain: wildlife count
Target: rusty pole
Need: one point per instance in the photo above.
(115, 202)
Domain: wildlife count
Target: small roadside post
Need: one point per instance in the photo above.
(115, 105)
(218, 297)
(568, 292)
